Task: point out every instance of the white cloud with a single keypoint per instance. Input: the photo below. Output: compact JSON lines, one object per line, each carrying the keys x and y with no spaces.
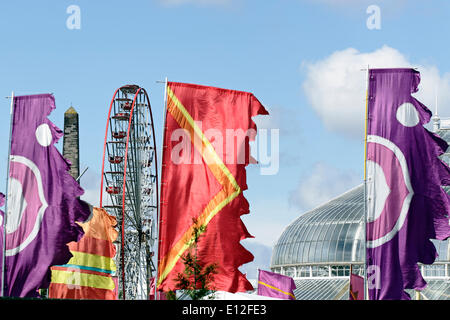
{"x":322,"y":184}
{"x":336,"y":86}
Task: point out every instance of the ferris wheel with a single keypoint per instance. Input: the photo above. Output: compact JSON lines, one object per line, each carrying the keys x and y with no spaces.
{"x":130,"y":178}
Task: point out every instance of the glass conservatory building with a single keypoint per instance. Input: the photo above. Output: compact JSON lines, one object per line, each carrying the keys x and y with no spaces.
{"x":319,"y":248}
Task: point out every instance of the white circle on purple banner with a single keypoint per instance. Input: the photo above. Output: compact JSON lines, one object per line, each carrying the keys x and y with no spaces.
{"x":28,"y":204}
{"x":44,"y":135}
{"x":396,"y":193}
{"x":17,"y":205}
{"x":377,"y":181}
{"x":407,"y":115}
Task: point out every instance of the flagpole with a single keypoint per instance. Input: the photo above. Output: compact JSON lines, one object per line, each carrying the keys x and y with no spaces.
{"x":365,"y":183}
{"x":2,"y":293}
{"x":350,"y":281}
{"x":257,"y":280}
{"x":160,"y":187}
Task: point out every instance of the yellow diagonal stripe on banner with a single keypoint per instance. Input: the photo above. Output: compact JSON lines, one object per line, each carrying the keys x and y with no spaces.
{"x":223,"y":175}
{"x":208,"y":153}
{"x":75,"y":279}
{"x":92,"y":260}
{"x":276,"y":289}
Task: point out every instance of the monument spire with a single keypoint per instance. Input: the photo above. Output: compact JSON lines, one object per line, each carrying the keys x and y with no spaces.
{"x":71,"y":145}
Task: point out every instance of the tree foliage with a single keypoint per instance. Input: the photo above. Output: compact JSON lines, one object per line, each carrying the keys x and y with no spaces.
{"x":196,"y":279}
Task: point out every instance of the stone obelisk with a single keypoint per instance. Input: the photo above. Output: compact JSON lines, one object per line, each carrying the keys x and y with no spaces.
{"x":71,"y":143}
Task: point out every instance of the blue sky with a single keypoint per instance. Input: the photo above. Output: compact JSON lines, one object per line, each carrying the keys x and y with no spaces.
{"x":301,"y":58}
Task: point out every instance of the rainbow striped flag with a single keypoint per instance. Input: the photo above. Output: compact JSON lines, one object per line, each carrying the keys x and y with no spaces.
{"x":90,"y":273}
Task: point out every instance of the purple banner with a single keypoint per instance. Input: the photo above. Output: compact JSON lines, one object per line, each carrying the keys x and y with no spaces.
{"x":406,"y":204}
{"x":2,"y":214}
{"x":43,"y":202}
{"x":275,"y":285}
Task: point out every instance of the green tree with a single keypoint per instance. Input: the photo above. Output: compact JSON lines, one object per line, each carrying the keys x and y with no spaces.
{"x":196,"y":279}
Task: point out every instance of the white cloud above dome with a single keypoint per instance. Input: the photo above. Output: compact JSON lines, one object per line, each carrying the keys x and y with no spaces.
{"x":336,"y":87}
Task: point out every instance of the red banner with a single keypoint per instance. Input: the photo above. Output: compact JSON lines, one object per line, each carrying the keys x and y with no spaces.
{"x":356,"y":290}
{"x":206,"y":149}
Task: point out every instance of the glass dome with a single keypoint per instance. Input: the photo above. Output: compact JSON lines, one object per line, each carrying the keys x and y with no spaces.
{"x":320,"y":247}
{"x":333,"y":232}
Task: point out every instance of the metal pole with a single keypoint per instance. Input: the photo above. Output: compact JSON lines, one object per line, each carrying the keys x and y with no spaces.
{"x":365,"y":185}
{"x":6,"y":201}
{"x":77,"y":179}
{"x":418,"y":295}
{"x":160,"y":186}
